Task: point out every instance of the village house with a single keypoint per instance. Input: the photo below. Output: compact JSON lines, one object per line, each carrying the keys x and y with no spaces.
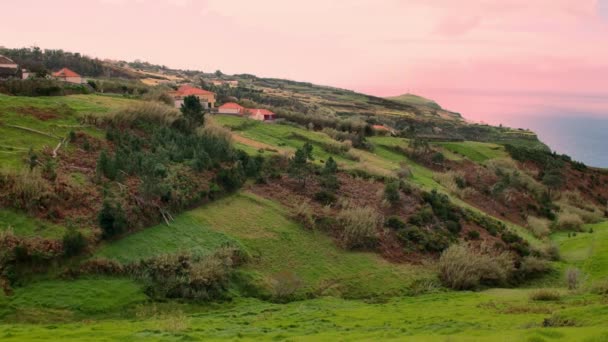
{"x":8,"y":68}
{"x":67,"y":75}
{"x":206,"y":97}
{"x":231,"y":108}
{"x":381,"y":130}
{"x":261,"y":114}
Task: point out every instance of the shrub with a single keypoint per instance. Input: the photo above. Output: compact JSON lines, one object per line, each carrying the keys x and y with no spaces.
{"x":531,"y":267}
{"x":304,"y":214}
{"x":391,"y":192}
{"x":539,"y":227}
{"x":25,"y":189}
{"x":112,"y":220}
{"x":570,"y":221}
{"x":461,"y":268}
{"x":573,"y":278}
{"x":186,"y":276}
{"x":325,"y":197}
{"x":473,"y":235}
{"x":395,"y":223}
{"x":600,"y":288}
{"x":545,"y":295}
{"x":74,"y":242}
{"x":552,"y":252}
{"x":284,"y":285}
{"x":359,"y":227}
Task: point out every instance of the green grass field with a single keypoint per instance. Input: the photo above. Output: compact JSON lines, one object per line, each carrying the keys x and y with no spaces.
{"x":23,"y":225}
{"x":44,"y":121}
{"x":493,"y":315}
{"x":478,"y":152}
{"x":587,"y":251}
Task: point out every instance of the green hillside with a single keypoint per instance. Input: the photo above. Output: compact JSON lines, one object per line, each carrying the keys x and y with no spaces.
{"x":124,"y":218}
{"x":415,"y":99}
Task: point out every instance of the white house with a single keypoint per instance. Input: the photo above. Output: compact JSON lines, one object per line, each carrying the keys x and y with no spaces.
{"x":231,"y":108}
{"x":68,"y":75}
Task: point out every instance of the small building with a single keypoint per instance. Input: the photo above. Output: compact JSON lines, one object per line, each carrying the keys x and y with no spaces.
{"x":261,"y":114}
{"x":25,"y":74}
{"x":67,"y":75}
{"x":206,"y":97}
{"x":231,"y":108}
{"x":381,"y":129}
{"x":8,"y":68}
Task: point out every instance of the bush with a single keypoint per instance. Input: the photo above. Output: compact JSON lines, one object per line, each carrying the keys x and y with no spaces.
{"x":461,"y":268}
{"x":545,"y":295}
{"x":74,"y":243}
{"x":552,"y":252}
{"x":112,"y":220}
{"x":186,"y":276}
{"x":573,"y":278}
{"x":473,"y":235}
{"x":325,"y":197}
{"x":359,"y":227}
{"x":284,"y":285}
{"x":531,"y":267}
{"x":395,"y":223}
{"x":391,"y":192}
{"x":539,"y":227}
{"x":570,"y":221}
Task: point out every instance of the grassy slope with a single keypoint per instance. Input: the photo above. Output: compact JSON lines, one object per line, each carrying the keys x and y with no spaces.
{"x":382,"y":161}
{"x":276,"y":244}
{"x":587,"y":251}
{"x":16,"y":111}
{"x":23,"y":225}
{"x":476,"y":151}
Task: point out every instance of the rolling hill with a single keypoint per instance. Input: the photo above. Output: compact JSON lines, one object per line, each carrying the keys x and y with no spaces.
{"x":122,"y":217}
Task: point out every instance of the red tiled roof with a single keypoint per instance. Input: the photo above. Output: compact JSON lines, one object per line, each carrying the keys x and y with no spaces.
{"x":6,"y":60}
{"x":65,"y":72}
{"x":260,"y":111}
{"x":187,"y":90}
{"x":380,"y":127}
{"x":231,"y":105}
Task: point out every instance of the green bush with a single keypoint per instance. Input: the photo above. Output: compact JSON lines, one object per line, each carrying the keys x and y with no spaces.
{"x":473,"y":235}
{"x":74,"y":243}
{"x":185,"y":276}
{"x":112,"y":220}
{"x":395,"y":223}
{"x":391,"y":192}
{"x":325,"y":197}
{"x":461,"y":268}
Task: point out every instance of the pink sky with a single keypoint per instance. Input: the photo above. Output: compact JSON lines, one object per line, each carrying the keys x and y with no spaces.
{"x":479,"y":57}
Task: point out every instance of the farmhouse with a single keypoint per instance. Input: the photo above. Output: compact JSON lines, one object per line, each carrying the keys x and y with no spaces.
{"x":8,"y":68}
{"x":67,"y":75}
{"x":231,"y":108}
{"x":261,"y":114}
{"x":206,"y":97}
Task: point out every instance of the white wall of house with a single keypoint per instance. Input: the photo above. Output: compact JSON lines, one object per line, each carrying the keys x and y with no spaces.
{"x":76,"y":80}
{"x":229,"y":111}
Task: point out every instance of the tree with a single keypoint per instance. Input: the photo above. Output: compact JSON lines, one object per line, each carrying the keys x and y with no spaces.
{"x":112,"y":220}
{"x":298,"y":165}
{"x":192,"y":109}
{"x":328,"y":175}
{"x":553,"y":179}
